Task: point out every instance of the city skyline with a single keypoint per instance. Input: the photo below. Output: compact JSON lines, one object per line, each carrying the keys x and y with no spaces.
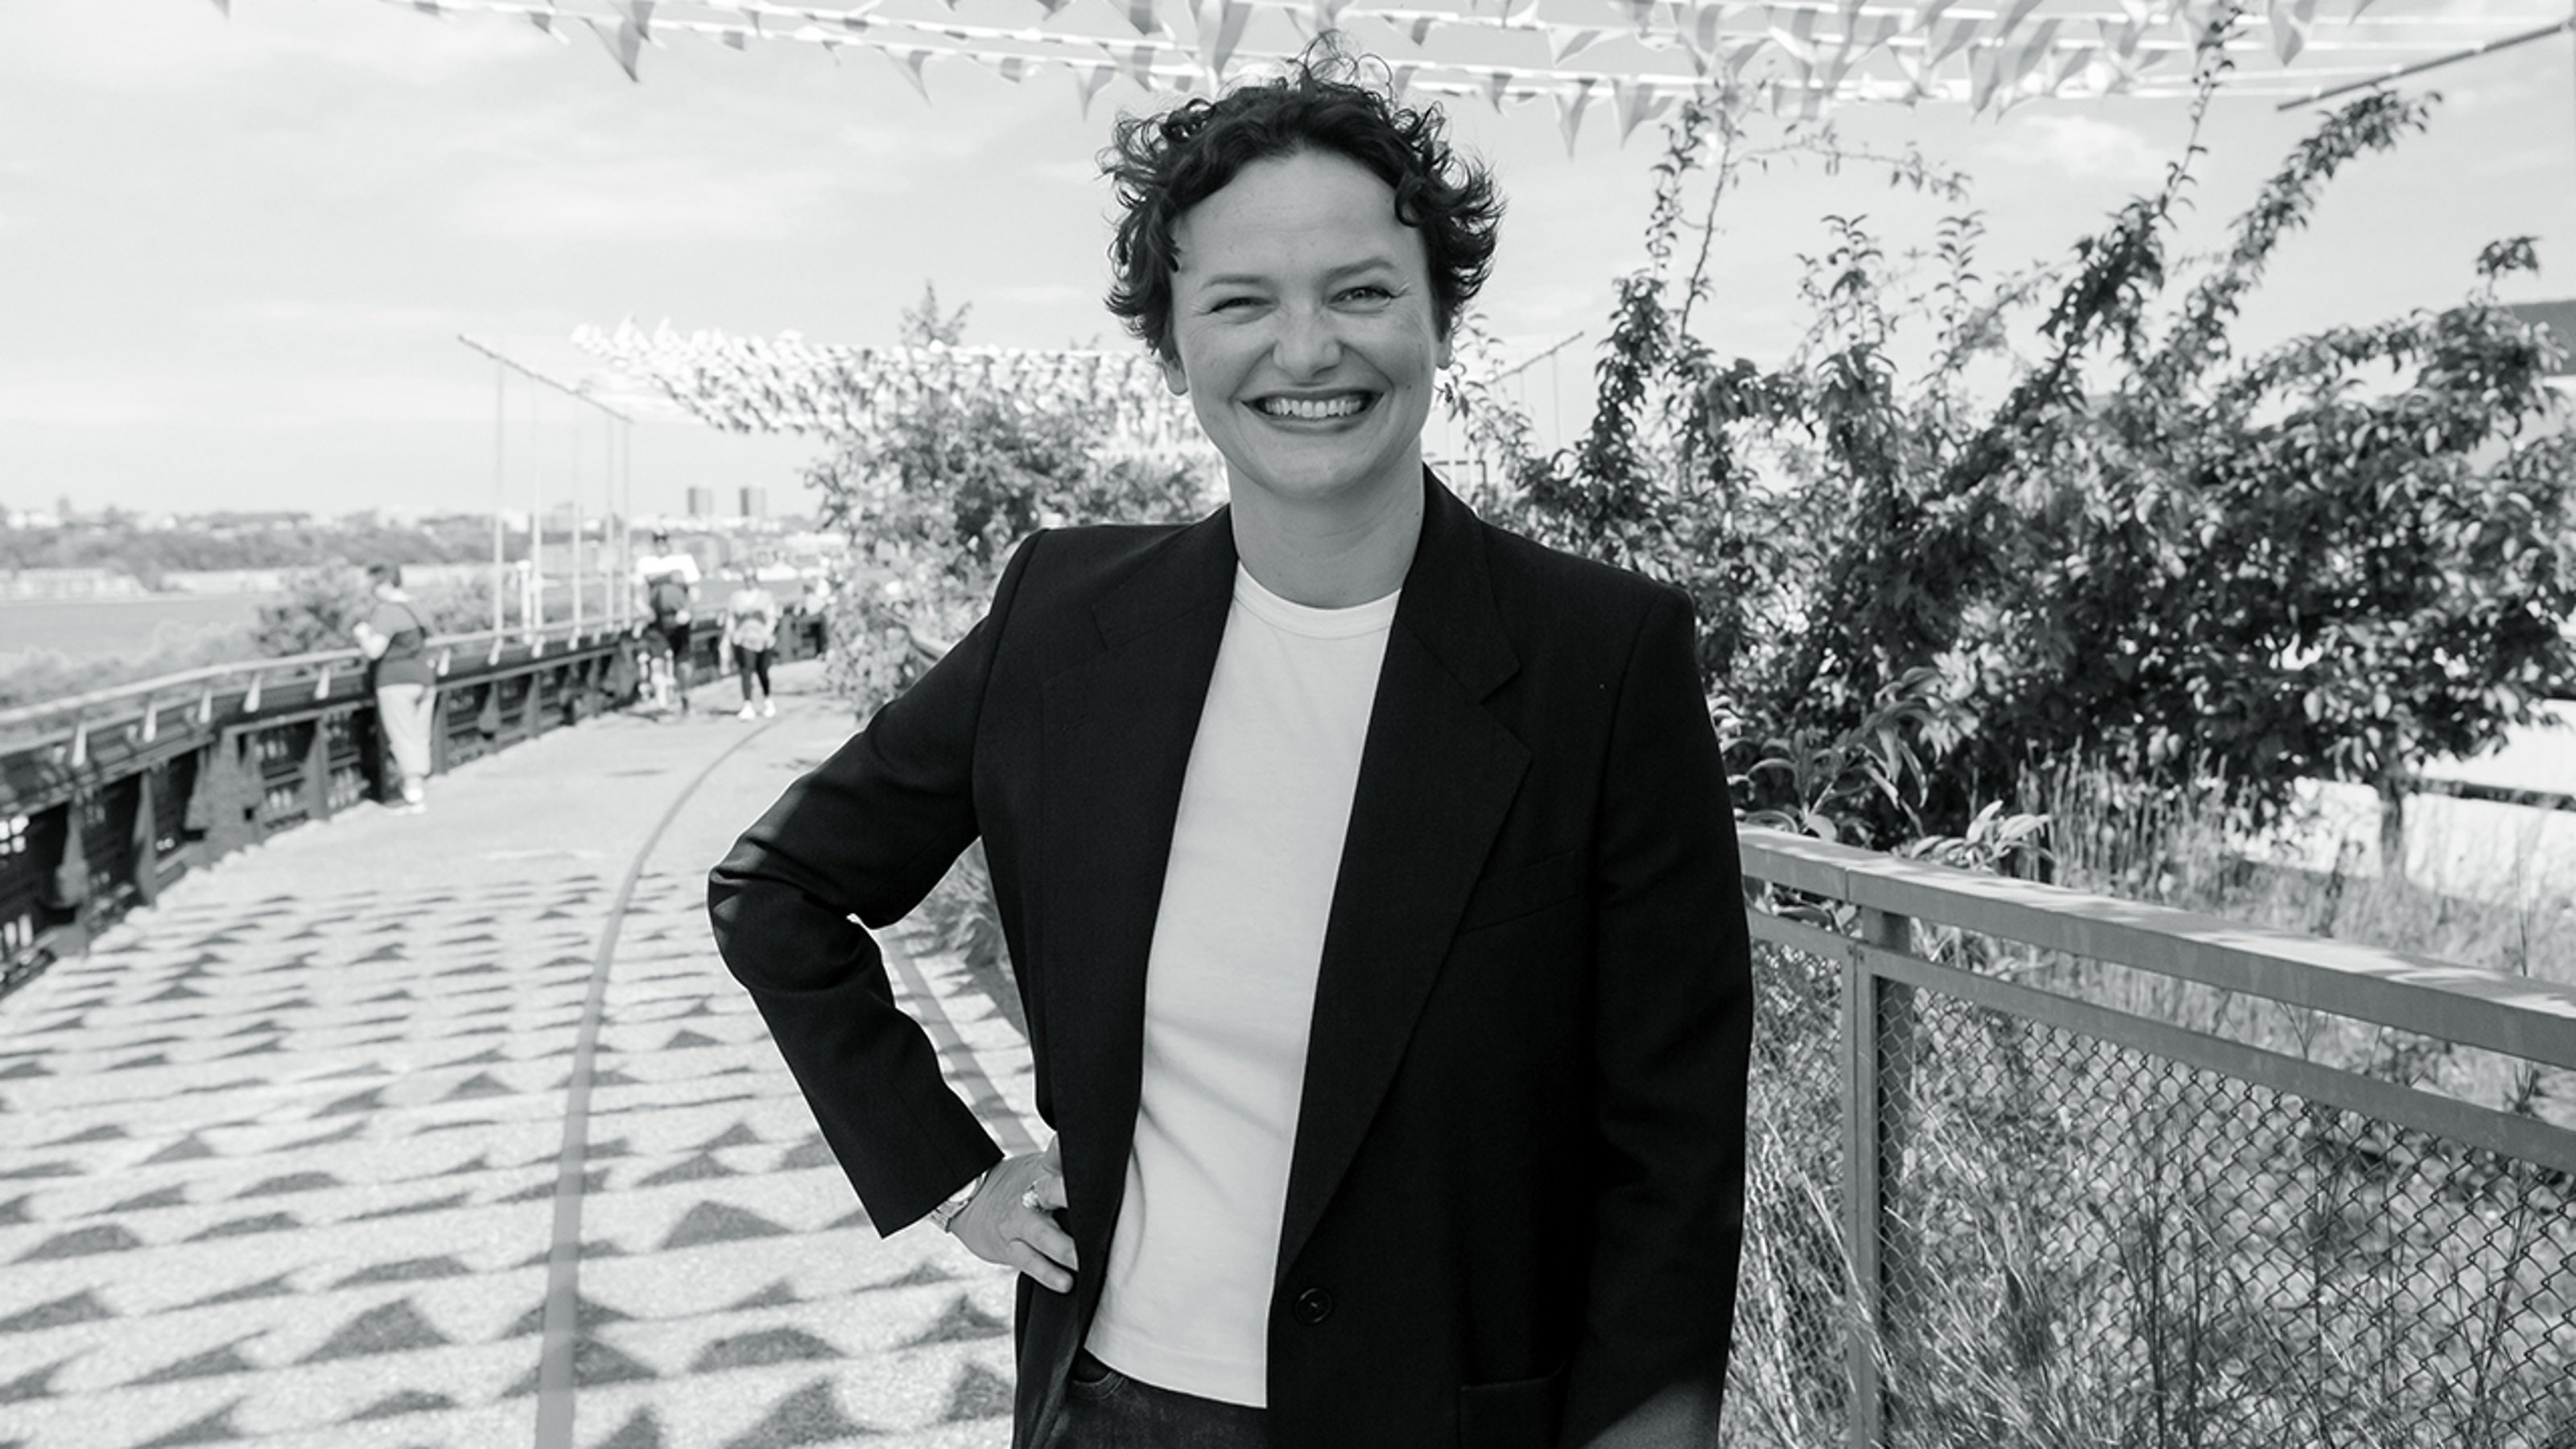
{"x":241,"y":251}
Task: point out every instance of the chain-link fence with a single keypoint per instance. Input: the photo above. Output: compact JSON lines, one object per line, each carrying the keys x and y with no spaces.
{"x":2085,"y":1228}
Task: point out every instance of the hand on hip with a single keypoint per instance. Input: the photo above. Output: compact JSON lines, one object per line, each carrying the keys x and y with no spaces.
{"x":1011,"y":1219}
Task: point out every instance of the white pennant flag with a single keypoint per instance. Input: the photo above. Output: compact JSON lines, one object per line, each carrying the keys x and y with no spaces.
{"x":2027,"y":58}
{"x":1636,"y":103}
{"x":1569,"y":110}
{"x":909,"y":59}
{"x":624,"y":43}
{"x":2290,"y":22}
{"x":1741,"y":54}
{"x":2014,"y":14}
{"x":1220,"y":27}
{"x":1796,"y":102}
{"x":1910,"y":64}
{"x":1701,"y":34}
{"x":2120,"y":52}
{"x":1088,"y":77}
{"x":1140,"y":63}
{"x":1984,"y":72}
{"x":1946,"y":43}
{"x":640,"y":12}
{"x":1328,"y":13}
{"x":1795,"y":35}
{"x":2078,"y":60}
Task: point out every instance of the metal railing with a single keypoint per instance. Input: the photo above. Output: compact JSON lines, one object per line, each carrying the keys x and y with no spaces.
{"x":107,"y":797}
{"x":2036,"y":1167}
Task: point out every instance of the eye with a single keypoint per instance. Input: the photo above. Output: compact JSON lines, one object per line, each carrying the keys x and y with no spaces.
{"x":1225,"y":303}
{"x":1368,"y":292}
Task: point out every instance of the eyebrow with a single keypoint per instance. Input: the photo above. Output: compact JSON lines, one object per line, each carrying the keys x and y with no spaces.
{"x":1346,"y":269}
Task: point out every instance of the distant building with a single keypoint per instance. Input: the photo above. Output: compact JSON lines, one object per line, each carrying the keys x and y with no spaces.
{"x":2560,"y":319}
{"x":69,"y":583}
{"x":755,"y":503}
{"x":702,"y":502}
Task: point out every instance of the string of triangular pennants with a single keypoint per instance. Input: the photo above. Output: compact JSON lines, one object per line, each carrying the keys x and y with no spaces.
{"x":788,"y":385}
{"x":1798,"y":57}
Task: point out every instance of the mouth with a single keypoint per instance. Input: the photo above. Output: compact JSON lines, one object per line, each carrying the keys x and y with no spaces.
{"x":1331,"y":407}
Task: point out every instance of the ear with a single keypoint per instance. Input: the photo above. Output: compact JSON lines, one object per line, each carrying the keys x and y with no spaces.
{"x":1173,"y":377}
{"x":1442,"y":365}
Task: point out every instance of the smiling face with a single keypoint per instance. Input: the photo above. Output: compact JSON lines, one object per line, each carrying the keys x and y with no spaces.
{"x":1303,"y":324}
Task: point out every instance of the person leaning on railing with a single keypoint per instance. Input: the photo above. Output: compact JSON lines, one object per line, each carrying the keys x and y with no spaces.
{"x":395,"y":640}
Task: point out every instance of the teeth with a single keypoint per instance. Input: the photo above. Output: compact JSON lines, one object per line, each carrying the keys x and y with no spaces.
{"x":1295,"y":407}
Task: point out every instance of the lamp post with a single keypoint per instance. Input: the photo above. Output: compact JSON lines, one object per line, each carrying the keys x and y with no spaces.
{"x":533,"y":611}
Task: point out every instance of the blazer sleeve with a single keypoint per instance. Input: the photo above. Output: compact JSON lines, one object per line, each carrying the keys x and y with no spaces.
{"x":866,"y":835}
{"x":1673,"y":1026}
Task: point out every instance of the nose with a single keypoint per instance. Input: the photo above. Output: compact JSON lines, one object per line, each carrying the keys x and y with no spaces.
{"x":1309,"y":342}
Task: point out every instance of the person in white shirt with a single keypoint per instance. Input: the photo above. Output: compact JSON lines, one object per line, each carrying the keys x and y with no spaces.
{"x":1367,"y":871}
{"x":666,"y":582}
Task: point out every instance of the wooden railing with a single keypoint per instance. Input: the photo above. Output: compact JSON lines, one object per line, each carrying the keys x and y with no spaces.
{"x":107,"y":797}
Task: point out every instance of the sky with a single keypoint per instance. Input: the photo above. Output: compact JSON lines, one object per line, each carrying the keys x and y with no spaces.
{"x":236,"y":253}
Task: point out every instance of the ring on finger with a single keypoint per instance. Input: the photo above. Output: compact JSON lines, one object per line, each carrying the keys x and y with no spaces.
{"x":1030,"y":1201}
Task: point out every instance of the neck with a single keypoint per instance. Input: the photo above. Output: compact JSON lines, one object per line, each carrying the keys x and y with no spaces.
{"x":1329,"y":559}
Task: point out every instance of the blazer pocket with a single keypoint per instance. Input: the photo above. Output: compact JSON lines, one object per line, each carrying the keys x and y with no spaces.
{"x":1523,"y":890}
{"x":1518,"y":1415}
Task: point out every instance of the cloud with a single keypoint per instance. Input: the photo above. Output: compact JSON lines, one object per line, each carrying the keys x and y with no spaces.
{"x":2078,"y":145}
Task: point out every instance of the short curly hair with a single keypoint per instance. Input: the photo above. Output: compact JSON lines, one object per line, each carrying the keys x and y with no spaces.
{"x":1162,"y":165}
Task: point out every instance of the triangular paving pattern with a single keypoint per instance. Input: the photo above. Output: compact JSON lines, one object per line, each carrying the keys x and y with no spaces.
{"x":340,"y":1237}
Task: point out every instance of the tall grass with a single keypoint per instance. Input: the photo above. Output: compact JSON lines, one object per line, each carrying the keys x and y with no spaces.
{"x":2088,"y":1244}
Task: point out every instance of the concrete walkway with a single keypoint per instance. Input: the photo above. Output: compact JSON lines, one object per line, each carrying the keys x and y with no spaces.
{"x":332,"y":1145}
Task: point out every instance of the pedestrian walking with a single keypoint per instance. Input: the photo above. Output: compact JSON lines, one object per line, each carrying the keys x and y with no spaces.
{"x":751,"y":636}
{"x":668,"y":580}
{"x":396,"y":642}
{"x":1367,"y":870}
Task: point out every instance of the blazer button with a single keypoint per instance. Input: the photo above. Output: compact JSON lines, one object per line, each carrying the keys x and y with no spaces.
{"x":1314,"y":1306}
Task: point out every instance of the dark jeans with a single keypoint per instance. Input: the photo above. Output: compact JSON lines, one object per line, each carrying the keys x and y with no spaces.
{"x":1105,"y":1409}
{"x":751,"y":664}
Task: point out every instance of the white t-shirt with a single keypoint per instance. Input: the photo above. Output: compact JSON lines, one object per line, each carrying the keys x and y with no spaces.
{"x":1230,"y":993}
{"x":655,"y":565}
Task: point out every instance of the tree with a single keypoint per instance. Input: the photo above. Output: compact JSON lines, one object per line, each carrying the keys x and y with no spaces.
{"x":935,"y":499}
{"x":2328,"y":561}
{"x":322,"y":606}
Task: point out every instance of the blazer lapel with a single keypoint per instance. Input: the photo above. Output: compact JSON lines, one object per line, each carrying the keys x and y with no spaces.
{"x":1437,"y":774}
{"x":1117,"y":730}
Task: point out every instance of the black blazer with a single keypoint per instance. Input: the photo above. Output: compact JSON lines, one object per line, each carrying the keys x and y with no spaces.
{"x":1515,"y":1201}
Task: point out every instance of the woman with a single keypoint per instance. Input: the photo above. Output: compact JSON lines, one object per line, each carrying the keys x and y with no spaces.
{"x":751,"y":634}
{"x":1367,"y":873}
